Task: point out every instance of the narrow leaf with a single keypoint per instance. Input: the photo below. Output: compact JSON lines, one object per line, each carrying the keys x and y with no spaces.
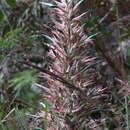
{"x":77,"y":5}
{"x":48,"y":4}
{"x":1,"y":15}
{"x":80,"y":1}
{"x":12,"y":3}
{"x":49,"y":38}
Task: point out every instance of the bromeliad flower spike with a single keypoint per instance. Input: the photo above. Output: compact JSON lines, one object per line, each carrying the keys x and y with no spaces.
{"x":71,"y":62}
{"x":70,"y":75}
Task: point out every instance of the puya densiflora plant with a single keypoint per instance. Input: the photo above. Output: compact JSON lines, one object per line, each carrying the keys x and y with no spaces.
{"x":70,"y":75}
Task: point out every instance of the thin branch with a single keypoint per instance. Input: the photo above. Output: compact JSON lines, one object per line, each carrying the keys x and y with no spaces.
{"x":112,"y":65}
{"x":102,"y":19}
{"x":4,"y":119}
{"x":69,"y":85}
{"x":125,"y":18}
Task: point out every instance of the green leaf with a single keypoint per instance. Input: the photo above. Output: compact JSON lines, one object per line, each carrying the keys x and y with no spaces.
{"x":81,"y":1}
{"x":93,"y":35}
{"x":127,"y":61}
{"x":129,"y":97}
{"x":12,"y":3}
{"x":38,"y":129}
{"x":7,"y":43}
{"x":23,"y":81}
{"x":48,"y":4}
{"x":49,"y":38}
{"x":1,"y":15}
{"x":14,"y":32}
{"x":4,"y":43}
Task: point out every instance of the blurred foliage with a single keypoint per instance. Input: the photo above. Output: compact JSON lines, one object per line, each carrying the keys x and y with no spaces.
{"x":1,"y":15}
{"x":21,"y":26}
{"x":22,"y":92}
{"x":11,"y":38}
{"x":19,"y":96}
{"x":12,"y":3}
{"x":23,"y":84}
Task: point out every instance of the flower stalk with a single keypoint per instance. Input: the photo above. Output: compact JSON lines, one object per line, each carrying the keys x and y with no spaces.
{"x":70,"y":75}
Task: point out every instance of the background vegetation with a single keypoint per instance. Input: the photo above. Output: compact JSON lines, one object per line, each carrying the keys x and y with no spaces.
{"x":28,"y":29}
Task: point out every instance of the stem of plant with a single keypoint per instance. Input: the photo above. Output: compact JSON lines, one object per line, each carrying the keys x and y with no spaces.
{"x":127,"y":113}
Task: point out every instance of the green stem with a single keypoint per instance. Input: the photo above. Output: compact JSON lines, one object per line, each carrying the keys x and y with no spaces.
{"x":127,"y":113}
{"x":46,"y":116}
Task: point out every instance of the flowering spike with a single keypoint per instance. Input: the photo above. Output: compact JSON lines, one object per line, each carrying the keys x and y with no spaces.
{"x":72,"y":61}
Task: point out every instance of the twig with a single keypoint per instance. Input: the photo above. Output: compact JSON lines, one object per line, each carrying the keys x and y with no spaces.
{"x":103,"y":18}
{"x":69,"y":85}
{"x":125,"y":18}
{"x":4,"y":119}
{"x":112,"y":65}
